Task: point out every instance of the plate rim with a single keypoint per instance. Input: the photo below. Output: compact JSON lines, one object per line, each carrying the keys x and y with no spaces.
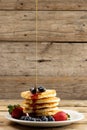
{"x":8,"y":116}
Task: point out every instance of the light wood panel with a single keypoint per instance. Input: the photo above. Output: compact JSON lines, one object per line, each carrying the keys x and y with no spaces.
{"x":53,"y":59}
{"x":63,"y":103}
{"x":52,"y":26}
{"x":66,"y":87}
{"x":60,"y":64}
{"x":16,"y":25}
{"x":62,"y":5}
{"x":43,"y":5}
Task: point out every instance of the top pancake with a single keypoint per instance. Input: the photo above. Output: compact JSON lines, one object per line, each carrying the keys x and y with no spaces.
{"x":46,"y":94}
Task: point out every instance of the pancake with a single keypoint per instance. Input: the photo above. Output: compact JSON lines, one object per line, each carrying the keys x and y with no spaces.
{"x":50,"y":113}
{"x":40,"y":106}
{"x":43,"y":100}
{"x":40,"y":103}
{"x":45,"y":111}
{"x":46,"y":94}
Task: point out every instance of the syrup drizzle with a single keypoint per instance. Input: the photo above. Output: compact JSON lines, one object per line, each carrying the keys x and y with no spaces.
{"x":34,"y":98}
{"x":36,"y":38}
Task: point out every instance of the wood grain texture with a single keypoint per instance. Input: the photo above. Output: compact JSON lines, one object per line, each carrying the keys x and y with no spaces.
{"x":77,"y":105}
{"x":15,"y":25}
{"x":79,"y":109}
{"x":43,"y":5}
{"x":53,"y":59}
{"x":61,"y":65}
{"x":62,"y":5}
{"x":13,"y":126}
{"x":17,"y":5}
{"x":66,"y":87}
{"x":63,"y":103}
{"x":62,"y":26}
{"x":52,"y":26}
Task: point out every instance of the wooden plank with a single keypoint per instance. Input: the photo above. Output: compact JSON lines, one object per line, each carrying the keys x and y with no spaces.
{"x":53,"y":59}
{"x":17,"y":5}
{"x":62,"y":26}
{"x":18,"y":47}
{"x":17,"y":64}
{"x":62,"y":5}
{"x":52,"y":26}
{"x":14,"y":126}
{"x":17,"y":25}
{"x":66,"y":87}
{"x":4,"y":102}
{"x":43,"y":5}
{"x":63,"y":103}
{"x":18,"y":57}
{"x":62,"y":59}
{"x":73,"y":103}
{"x":79,"y":109}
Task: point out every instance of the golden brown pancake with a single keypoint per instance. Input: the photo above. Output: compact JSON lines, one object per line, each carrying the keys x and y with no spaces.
{"x":46,"y":94}
{"x":45,"y":111}
{"x":43,"y":100}
{"x":39,"y":106}
{"x":41,"y":103}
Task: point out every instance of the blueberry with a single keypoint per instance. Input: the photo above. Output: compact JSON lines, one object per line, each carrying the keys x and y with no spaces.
{"x":27,"y":118}
{"x":44,"y":118}
{"x":22,"y":118}
{"x":41,"y":89}
{"x":33,"y":90}
{"x":50,"y":118}
{"x":38,"y":119}
{"x":33,"y":119}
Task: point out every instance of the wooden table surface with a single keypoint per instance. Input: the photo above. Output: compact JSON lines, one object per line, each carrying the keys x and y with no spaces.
{"x":79,"y":105}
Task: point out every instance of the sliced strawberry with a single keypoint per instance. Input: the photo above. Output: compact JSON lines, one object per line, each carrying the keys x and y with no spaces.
{"x":61,"y":116}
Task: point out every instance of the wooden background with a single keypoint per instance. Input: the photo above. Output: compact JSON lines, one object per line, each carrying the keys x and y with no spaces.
{"x":62,"y":47}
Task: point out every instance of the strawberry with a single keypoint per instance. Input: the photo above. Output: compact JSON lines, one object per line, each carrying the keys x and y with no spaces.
{"x":16,"y":111}
{"x":61,"y":116}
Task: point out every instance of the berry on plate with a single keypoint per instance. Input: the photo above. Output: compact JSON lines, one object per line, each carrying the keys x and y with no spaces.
{"x":61,"y":116}
{"x":50,"y":118}
{"x":44,"y":118}
{"x":16,"y":111}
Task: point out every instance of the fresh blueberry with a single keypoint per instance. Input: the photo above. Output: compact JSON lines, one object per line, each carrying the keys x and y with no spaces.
{"x":22,"y":118}
{"x":33,"y":90}
{"x":38,"y":119}
{"x":50,"y":118}
{"x":33,"y":119}
{"x":41,"y":89}
{"x":44,"y":118}
{"x":27,"y":118}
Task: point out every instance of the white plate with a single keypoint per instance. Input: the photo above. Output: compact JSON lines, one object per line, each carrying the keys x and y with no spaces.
{"x":74,"y":117}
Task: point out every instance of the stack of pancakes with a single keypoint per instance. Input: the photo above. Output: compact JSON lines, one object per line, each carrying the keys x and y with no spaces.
{"x":44,"y":103}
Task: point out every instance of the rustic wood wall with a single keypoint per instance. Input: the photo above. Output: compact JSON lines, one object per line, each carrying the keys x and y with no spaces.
{"x":62,"y":47}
